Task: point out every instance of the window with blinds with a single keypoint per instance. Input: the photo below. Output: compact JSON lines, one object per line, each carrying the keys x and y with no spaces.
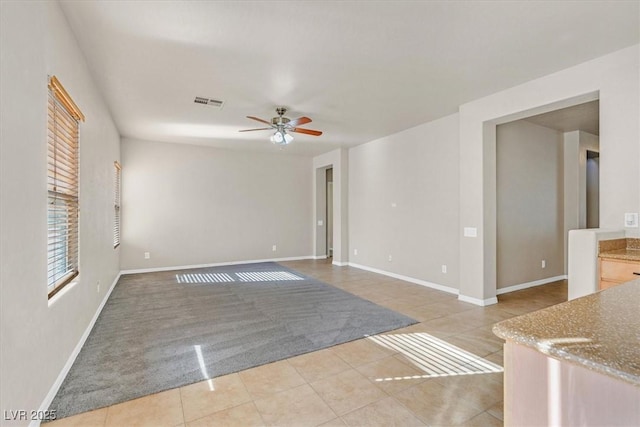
{"x":62,"y":186}
{"x":116,"y":221}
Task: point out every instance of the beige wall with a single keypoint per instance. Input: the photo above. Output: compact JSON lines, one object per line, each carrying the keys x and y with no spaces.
{"x":530,"y":214}
{"x":192,"y":205}
{"x":403,"y":202}
{"x":38,"y":337}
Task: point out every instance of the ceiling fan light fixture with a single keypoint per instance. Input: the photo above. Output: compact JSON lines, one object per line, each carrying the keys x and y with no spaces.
{"x":277,"y":137}
{"x":281,"y":137}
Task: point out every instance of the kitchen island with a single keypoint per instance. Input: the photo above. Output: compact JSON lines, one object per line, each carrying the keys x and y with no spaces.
{"x":575,"y":363}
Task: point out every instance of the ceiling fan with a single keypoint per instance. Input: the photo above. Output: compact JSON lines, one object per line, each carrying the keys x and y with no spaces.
{"x":283,"y":125}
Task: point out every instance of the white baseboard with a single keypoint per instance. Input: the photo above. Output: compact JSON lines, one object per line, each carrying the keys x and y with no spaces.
{"x":72,"y":358}
{"x":217,"y":264}
{"x":494,"y":300}
{"x":340,"y":264}
{"x":521,"y":286}
{"x":477,"y":301}
{"x":407,"y":278}
{"x":319,"y":257}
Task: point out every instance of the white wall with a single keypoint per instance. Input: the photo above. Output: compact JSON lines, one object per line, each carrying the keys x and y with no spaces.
{"x":530,"y":213}
{"x":38,"y":335}
{"x":403,"y":202}
{"x":613,"y":79}
{"x":191,"y":205}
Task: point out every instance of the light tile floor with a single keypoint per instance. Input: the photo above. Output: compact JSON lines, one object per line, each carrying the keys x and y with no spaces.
{"x":341,"y":386}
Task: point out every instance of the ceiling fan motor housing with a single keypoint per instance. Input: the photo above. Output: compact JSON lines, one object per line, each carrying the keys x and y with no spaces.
{"x":280,"y":120}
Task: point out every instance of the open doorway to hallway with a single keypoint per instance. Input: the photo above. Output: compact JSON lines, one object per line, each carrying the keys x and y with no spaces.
{"x":329,"y":213}
{"x":593,"y":189}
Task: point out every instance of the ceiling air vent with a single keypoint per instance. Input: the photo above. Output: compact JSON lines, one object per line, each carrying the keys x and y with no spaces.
{"x":208,"y":101}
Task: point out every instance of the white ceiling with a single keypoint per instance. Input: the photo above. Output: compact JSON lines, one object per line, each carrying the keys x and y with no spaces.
{"x":360,"y":70}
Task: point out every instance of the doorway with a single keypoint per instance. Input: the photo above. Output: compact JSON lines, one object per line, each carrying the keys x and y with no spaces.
{"x":329,"y":212}
{"x":593,"y":189}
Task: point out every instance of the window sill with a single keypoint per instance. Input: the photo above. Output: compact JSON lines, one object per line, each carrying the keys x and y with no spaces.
{"x":52,"y":300}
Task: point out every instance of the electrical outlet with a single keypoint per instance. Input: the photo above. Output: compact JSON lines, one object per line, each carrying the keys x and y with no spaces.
{"x":543,"y":264}
{"x":274,"y":248}
{"x":147,"y":255}
{"x":631,"y":220}
{"x":355,"y":252}
{"x":444,"y":268}
{"x":390,"y":258}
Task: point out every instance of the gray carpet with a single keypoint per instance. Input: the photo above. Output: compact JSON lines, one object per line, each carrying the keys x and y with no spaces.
{"x":163,"y":330}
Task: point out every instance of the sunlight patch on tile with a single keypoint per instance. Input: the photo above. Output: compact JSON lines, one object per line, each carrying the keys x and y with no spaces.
{"x":435,"y":357}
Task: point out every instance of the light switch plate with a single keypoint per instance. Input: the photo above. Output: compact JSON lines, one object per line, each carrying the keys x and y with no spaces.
{"x":320,"y":223}
{"x":470,"y":232}
{"x":631,"y":220}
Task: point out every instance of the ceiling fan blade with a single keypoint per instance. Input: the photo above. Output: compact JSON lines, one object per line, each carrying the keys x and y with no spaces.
{"x":251,"y":130}
{"x":259,"y":120}
{"x":299,"y":121}
{"x":307,"y":131}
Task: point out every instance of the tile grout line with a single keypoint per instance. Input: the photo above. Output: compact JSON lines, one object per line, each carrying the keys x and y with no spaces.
{"x":106,"y":416}
{"x":360,"y":407}
{"x":316,"y":391}
{"x":184,"y":419}
{"x":257,"y":411}
{"x":323,"y":400}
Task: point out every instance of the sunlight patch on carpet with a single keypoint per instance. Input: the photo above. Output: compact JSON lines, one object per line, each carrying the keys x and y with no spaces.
{"x":262,"y":276}
{"x":204,"y":278}
{"x":267,"y":276}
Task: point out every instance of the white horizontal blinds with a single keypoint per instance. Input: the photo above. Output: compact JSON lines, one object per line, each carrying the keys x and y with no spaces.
{"x":116,"y":222}
{"x":62,"y":188}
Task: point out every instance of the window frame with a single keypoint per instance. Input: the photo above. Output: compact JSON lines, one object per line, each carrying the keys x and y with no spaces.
{"x":63,"y":182}
{"x":117,"y":204}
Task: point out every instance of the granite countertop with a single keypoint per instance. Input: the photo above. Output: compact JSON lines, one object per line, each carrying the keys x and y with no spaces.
{"x":623,"y":254}
{"x":625,"y":249}
{"x":600,"y":331}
